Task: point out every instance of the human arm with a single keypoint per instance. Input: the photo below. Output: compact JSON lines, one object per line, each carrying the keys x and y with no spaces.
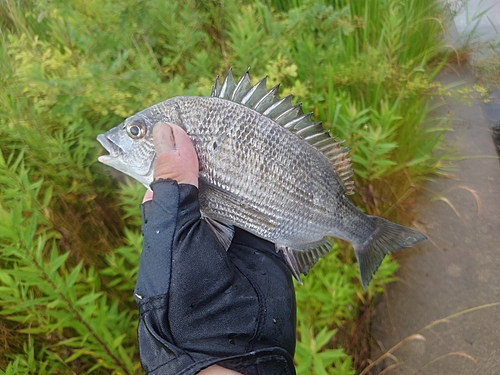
{"x":202,"y":308}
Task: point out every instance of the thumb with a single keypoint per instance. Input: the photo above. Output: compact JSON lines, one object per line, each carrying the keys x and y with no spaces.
{"x":163,"y":138}
{"x":176,"y":156}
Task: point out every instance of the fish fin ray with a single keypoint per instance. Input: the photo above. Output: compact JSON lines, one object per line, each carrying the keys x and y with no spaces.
{"x":290,"y":260}
{"x":223,"y":232}
{"x":228,"y":86}
{"x":288,"y":115}
{"x":387,"y":238}
{"x":242,"y":87}
{"x":234,"y":201}
{"x":255,"y":94}
{"x":279,"y":107}
{"x":216,"y":88}
{"x":307,"y":258}
{"x":267,"y":100}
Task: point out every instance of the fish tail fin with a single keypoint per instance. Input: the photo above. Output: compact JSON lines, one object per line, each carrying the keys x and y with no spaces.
{"x":386,"y":238}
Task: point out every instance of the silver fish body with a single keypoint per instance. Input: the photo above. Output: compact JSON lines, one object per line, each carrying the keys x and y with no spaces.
{"x":266,"y":168}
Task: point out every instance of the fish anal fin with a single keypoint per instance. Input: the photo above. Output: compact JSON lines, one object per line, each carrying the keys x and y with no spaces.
{"x":387,"y":238}
{"x":301,"y":261}
{"x":307,"y":258}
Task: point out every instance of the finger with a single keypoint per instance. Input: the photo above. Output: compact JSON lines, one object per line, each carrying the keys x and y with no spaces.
{"x":148,"y":196}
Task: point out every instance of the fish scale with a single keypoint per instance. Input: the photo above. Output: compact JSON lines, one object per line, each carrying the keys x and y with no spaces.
{"x":265,"y":167}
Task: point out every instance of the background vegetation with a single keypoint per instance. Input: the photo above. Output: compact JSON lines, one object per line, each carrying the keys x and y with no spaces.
{"x":69,"y":228}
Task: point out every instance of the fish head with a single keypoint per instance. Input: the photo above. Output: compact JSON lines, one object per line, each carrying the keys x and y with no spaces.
{"x":131,"y":149}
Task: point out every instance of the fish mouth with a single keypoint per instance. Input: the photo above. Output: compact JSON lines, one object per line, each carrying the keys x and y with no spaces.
{"x":113,"y":149}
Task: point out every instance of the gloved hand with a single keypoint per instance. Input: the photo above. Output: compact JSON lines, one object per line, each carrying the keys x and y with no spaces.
{"x":200,"y":305}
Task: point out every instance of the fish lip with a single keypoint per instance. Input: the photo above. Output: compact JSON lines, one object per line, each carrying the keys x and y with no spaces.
{"x":113,"y":149}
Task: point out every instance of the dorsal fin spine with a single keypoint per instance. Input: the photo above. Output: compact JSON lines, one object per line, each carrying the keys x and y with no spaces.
{"x":305,"y":130}
{"x":242,"y":87}
{"x":228,"y":85}
{"x":290,"y":116}
{"x":216,"y":88}
{"x":267,"y":100}
{"x":255,"y":93}
{"x":286,"y":102}
{"x":301,"y":123}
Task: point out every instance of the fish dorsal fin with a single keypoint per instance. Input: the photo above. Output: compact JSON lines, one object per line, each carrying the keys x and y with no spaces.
{"x":291,"y":117}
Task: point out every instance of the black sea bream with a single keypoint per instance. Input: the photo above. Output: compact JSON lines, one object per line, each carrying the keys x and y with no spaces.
{"x":266,"y":168}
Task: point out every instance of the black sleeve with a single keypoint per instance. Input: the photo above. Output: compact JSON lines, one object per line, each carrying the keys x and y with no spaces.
{"x":172,"y":220}
{"x":201,"y":305}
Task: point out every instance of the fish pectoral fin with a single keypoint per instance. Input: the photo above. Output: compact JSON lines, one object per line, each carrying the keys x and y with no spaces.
{"x":223,"y":232}
{"x":234,"y":201}
{"x":290,"y":261}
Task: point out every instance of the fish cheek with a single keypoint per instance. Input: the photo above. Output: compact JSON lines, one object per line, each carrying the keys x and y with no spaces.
{"x":143,"y":162}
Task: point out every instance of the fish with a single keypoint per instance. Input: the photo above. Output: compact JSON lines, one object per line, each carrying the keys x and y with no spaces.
{"x":267,"y":168}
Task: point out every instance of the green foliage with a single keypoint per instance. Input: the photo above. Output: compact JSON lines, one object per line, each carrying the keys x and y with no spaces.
{"x":314,"y":356}
{"x":69,"y":231}
{"x":64,"y":305}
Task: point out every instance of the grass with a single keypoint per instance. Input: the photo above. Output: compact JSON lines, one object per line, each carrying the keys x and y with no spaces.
{"x":70,"y":231}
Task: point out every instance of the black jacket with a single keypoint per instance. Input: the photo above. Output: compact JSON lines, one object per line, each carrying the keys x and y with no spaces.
{"x":201,"y":305}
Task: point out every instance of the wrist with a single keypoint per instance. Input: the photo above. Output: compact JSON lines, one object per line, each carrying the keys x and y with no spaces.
{"x":218,"y":370}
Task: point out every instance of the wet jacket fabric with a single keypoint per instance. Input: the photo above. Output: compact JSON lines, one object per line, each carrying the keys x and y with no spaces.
{"x":200,"y":305}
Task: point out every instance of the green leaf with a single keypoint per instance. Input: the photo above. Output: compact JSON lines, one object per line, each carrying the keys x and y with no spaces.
{"x":56,"y":261}
{"x":324,"y":336}
{"x":89,"y":299}
{"x":73,"y":276}
{"x":47,"y":196}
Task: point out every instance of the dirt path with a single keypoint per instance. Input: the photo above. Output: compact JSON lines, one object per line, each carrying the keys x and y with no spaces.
{"x":457,"y":269}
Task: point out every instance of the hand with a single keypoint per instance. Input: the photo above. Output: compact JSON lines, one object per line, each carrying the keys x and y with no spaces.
{"x":176,"y":157}
{"x":204,"y":309}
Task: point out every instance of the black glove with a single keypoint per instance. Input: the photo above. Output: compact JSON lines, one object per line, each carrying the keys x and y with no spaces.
{"x":200,"y":305}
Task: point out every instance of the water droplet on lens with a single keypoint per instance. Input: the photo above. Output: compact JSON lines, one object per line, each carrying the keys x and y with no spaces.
{"x":410,"y":241}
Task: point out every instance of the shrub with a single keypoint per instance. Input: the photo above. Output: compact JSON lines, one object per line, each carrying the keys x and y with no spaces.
{"x":69,"y":227}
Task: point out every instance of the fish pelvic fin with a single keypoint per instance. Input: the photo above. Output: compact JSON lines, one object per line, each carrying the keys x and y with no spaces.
{"x":290,"y":261}
{"x":387,"y":238}
{"x":223,"y":232}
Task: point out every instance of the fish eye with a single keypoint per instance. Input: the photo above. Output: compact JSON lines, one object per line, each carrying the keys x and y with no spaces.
{"x":136,"y":129}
